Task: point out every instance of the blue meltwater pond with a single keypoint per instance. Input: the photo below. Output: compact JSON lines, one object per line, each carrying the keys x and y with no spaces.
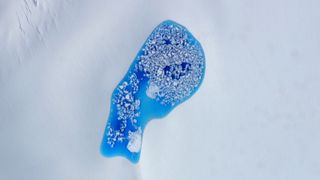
{"x":168,"y":69}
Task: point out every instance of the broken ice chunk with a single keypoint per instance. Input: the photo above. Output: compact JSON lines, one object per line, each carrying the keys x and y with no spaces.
{"x":135,"y":140}
{"x":152,"y":91}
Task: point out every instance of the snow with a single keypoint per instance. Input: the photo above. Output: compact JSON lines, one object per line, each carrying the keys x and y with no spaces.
{"x":255,"y":116}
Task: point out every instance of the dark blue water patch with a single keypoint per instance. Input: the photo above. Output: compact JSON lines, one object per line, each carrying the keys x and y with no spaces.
{"x":168,"y":69}
{"x":175,"y":71}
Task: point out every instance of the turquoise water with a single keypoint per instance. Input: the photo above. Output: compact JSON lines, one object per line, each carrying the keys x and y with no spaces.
{"x":168,"y":69}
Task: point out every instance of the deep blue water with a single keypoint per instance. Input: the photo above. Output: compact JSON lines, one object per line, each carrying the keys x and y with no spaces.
{"x":168,"y":69}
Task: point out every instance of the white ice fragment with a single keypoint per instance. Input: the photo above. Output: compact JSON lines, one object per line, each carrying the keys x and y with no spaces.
{"x":128,"y":97}
{"x":135,"y":140}
{"x":137,"y":104}
{"x":159,"y":72}
{"x":152,"y":91}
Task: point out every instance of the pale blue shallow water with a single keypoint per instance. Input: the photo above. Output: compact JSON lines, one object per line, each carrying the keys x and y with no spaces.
{"x":168,"y":69}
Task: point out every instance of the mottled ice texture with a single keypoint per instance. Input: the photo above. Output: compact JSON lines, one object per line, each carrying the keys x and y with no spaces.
{"x":167,"y":70}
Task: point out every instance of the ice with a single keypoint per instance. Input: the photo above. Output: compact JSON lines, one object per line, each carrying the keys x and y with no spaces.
{"x":255,"y":116}
{"x":135,"y":141}
{"x":167,"y":70}
{"x":152,"y":91}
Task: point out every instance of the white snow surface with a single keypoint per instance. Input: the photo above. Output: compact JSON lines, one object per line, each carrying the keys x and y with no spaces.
{"x":256,"y":115}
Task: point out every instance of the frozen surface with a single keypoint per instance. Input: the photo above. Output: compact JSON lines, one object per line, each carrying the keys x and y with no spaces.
{"x":256,"y":115}
{"x":168,"y":69}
